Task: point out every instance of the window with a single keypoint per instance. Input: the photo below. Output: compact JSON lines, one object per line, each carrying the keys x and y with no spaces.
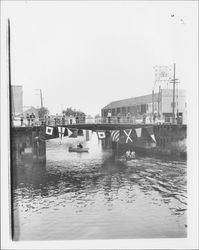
{"x":133,"y":110}
{"x":113,"y":112}
{"x":138,"y":107}
{"x":123,"y":110}
{"x":172,"y":104}
{"x":105,"y":112}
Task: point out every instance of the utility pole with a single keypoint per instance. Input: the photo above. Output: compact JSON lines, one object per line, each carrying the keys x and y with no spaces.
{"x":153,"y":104}
{"x":153,"y":100}
{"x":41,"y":98}
{"x":174,"y":93}
{"x":159,"y":99}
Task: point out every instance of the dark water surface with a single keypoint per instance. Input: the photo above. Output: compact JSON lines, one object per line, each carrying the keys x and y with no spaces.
{"x":94,"y":196}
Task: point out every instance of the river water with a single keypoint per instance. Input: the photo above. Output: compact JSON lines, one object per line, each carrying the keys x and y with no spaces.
{"x":97,"y":196}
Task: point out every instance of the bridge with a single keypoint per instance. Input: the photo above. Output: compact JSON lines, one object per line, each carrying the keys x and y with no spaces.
{"x":88,"y":126}
{"x":28,"y":141}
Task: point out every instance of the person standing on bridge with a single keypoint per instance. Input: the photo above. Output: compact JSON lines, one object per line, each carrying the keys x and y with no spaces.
{"x":28,"y":118}
{"x":32,"y":117}
{"x":118,"y":117}
{"x":144,"y":119}
{"x":63,"y":120}
{"x":109,"y":116}
{"x":48,"y":120}
{"x":128,"y":117}
{"x":71,"y":119}
{"x":55,"y":119}
{"x":77,"y":119}
{"x":22,"y":120}
{"x":84,"y":119}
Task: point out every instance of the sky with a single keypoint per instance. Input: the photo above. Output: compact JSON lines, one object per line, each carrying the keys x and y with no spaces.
{"x":87,"y":54}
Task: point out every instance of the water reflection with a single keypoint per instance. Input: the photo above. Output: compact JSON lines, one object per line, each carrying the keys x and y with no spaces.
{"x":91,"y":195}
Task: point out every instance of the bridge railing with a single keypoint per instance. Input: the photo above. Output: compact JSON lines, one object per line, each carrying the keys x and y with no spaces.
{"x":55,"y":122}
{"x":104,"y":120}
{"x":118,"y":120}
{"x":135,"y":120}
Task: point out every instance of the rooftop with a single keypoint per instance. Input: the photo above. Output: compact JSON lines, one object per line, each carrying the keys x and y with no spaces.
{"x":139,"y":100}
{"x":132,"y":101}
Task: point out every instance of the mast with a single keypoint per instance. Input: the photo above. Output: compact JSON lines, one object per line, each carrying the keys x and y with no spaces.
{"x":174,"y":93}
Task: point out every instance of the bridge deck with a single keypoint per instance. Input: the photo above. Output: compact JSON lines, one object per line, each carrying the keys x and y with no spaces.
{"x":99,"y":126}
{"x":106,"y":126}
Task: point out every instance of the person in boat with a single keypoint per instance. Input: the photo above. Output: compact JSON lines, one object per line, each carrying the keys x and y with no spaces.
{"x":128,"y":153}
{"x":79,"y":145}
{"x":132,"y":154}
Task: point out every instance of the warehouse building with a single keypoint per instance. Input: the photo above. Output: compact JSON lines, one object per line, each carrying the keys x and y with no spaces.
{"x":157,"y":106}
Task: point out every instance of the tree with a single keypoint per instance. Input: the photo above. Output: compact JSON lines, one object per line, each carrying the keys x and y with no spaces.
{"x":42,"y":112}
{"x":89,"y":116}
{"x":97,"y":116}
{"x":73,"y":112}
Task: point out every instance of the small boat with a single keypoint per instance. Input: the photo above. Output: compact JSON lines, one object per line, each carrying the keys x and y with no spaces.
{"x":129,"y":155}
{"x":128,"y":158}
{"x":78,"y":150}
{"x":125,"y":160}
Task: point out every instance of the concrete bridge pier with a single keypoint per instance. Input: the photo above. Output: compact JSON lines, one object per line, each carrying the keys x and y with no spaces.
{"x":28,"y":146}
{"x":38,"y":148}
{"x":106,"y":142}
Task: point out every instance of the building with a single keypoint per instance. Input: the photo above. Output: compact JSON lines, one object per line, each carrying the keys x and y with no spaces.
{"x":17,"y":99}
{"x":159,"y":105}
{"x":29,"y":110}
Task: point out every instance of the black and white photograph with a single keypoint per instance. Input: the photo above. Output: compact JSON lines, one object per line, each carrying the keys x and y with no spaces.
{"x":99,"y":123}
